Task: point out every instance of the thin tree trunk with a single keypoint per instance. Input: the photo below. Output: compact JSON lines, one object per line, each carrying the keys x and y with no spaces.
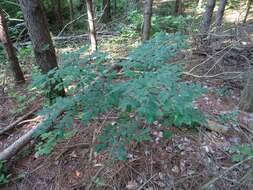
{"x":107,"y":11}
{"x":178,"y":7}
{"x":247,"y":11}
{"x":114,"y":7}
{"x":207,"y":20}
{"x":44,"y":51}
{"x":220,"y":14}
{"x":246,"y":102}
{"x":147,"y":19}
{"x":10,"y":51}
{"x":71,"y":13}
{"x":92,"y":27}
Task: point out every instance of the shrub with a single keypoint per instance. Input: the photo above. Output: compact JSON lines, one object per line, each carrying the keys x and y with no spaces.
{"x":151,"y":89}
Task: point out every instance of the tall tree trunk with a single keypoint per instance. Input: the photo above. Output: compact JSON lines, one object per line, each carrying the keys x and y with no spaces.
{"x":207,"y":20}
{"x":220,"y":14}
{"x":246,"y":102}
{"x":106,"y":11}
{"x":92,"y":27}
{"x":10,"y":51}
{"x":147,"y":19}
{"x":247,"y":11}
{"x":114,"y":7}
{"x":178,"y":7}
{"x":58,"y":13}
{"x":36,"y":23}
{"x":71,"y":14}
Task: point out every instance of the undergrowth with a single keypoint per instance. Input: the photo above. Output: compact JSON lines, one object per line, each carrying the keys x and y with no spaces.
{"x":148,"y":89}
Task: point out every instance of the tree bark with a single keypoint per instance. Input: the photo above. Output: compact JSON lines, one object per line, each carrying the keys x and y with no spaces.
{"x":10,"y":51}
{"x":178,"y":7}
{"x":220,"y":14}
{"x":44,"y":51}
{"x":247,"y":11}
{"x":71,"y":13}
{"x":147,"y":19}
{"x":58,"y":13}
{"x":207,"y":20}
{"x":114,"y":7}
{"x":92,"y":27}
{"x":107,"y":11}
{"x":246,"y":102}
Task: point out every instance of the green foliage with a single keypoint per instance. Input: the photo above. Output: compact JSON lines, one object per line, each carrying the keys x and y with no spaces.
{"x":229,"y":118}
{"x":170,"y":23}
{"x":240,"y":152}
{"x":151,"y":89}
{"x":224,"y":92}
{"x":117,"y":135}
{"x":4,"y":176}
{"x":159,"y":23}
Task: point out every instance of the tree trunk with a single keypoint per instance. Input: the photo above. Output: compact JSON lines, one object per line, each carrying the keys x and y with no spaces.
{"x":178,"y":7}
{"x":71,"y":13}
{"x":247,"y":11}
{"x":147,"y":19}
{"x":44,"y":51}
{"x":106,"y":11}
{"x":10,"y":51}
{"x":220,"y":14}
{"x":207,"y":20}
{"x":114,"y":7}
{"x":58,"y":13}
{"x":92,"y":28}
{"x":246,"y":102}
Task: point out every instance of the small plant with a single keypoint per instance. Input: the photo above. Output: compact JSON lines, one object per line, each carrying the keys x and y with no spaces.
{"x":224,"y":92}
{"x":229,"y":118}
{"x":4,"y":176}
{"x":240,"y":152}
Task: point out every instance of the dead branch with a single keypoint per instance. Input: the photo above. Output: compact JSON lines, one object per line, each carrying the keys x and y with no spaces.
{"x":18,"y":121}
{"x":205,"y":186}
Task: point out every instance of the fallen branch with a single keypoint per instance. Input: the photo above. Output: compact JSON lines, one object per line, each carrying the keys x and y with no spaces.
{"x":7,"y":153}
{"x":212,"y":181}
{"x":18,"y":121}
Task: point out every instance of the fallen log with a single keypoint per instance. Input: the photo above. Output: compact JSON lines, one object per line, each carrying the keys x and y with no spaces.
{"x":18,"y":121}
{"x":7,"y":153}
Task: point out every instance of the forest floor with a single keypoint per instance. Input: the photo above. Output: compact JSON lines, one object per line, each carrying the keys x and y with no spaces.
{"x":194,"y":158}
